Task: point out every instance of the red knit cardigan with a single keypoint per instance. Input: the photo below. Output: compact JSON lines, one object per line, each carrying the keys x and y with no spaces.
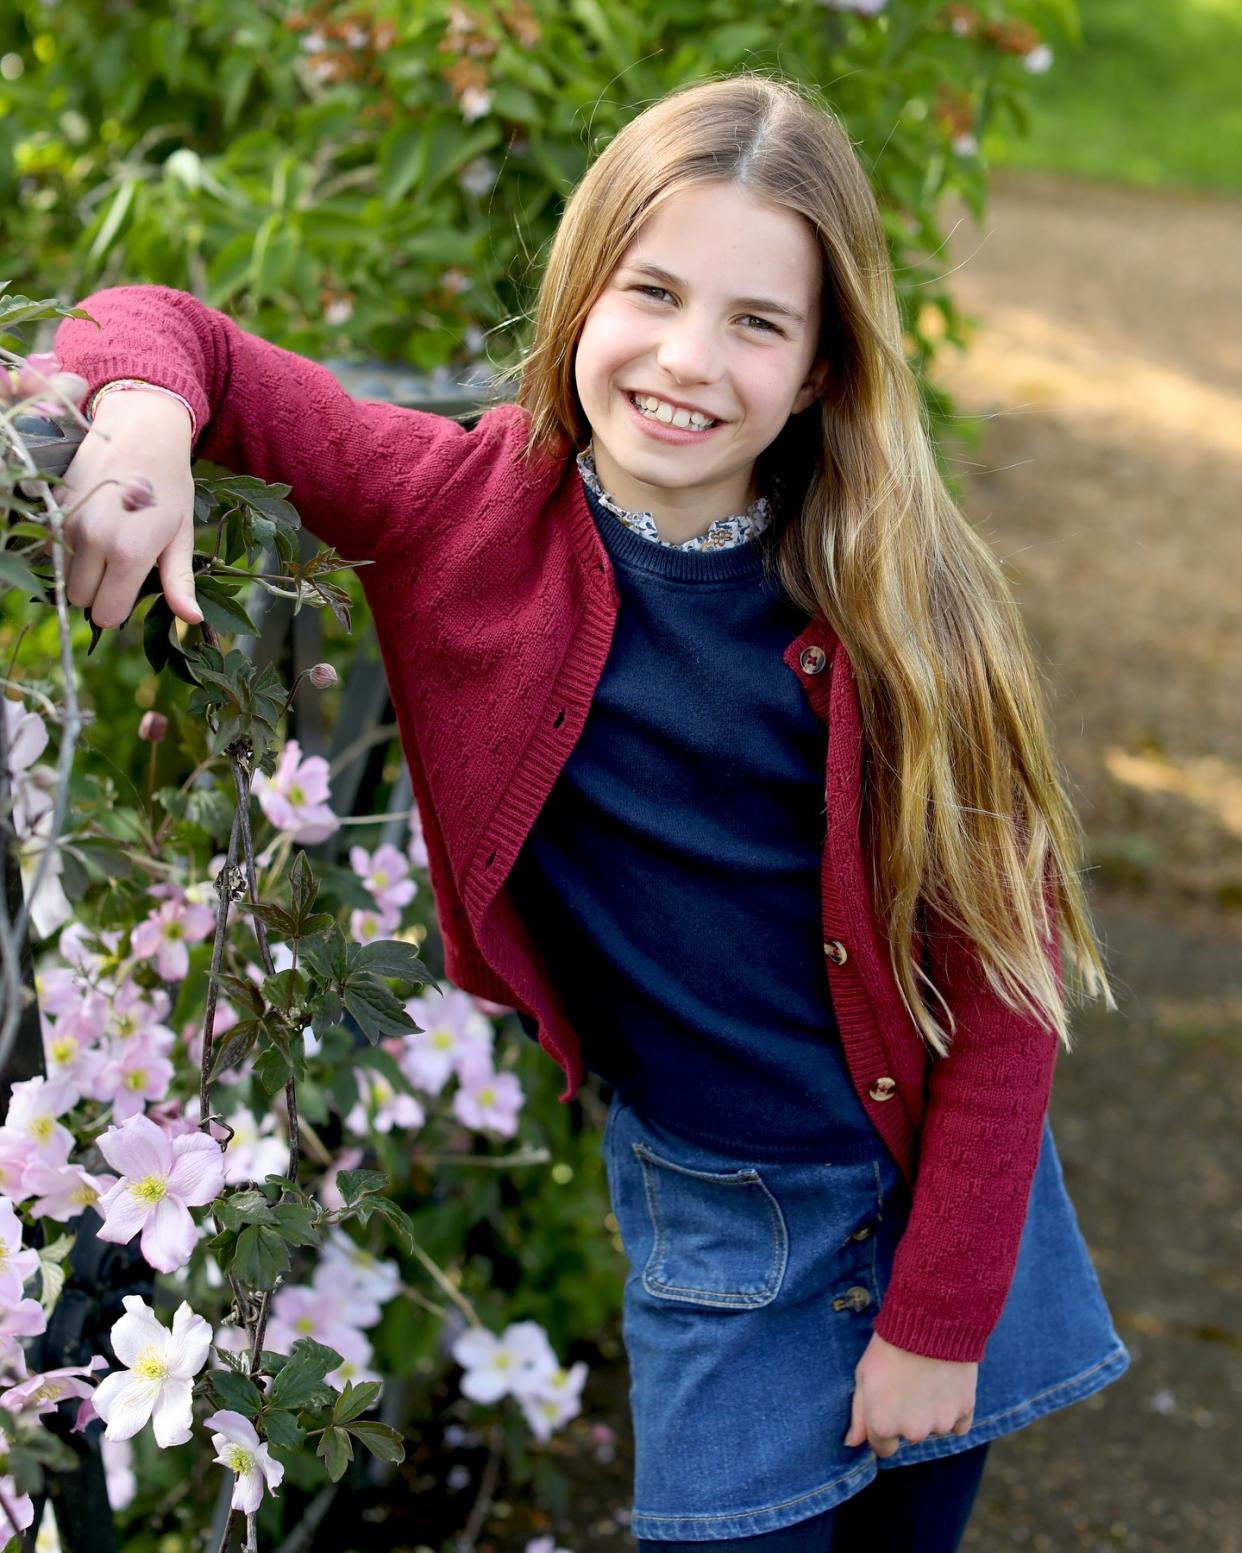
{"x":494,"y":603}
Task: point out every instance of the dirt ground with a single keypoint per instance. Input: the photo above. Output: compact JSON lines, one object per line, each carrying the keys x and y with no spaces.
{"x":1108,"y":360}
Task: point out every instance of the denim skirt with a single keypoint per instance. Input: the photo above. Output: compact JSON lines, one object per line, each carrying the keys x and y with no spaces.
{"x":749,"y":1300}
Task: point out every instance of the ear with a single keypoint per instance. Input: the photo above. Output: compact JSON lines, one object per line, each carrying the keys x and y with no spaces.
{"x":813,"y":388}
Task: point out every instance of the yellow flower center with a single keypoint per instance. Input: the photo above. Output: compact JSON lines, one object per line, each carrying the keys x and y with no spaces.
{"x":504,"y":1361}
{"x":442,"y":1039}
{"x":151,"y":1365}
{"x":173,"y":930}
{"x":152,"y":1189}
{"x":240,"y":1459}
{"x":84,"y":1195}
{"x":136,"y":1080}
{"x":63,"y":1050}
{"x":125,"y":1024}
{"x":487,"y":1096}
{"x":380,"y":878}
{"x":305,"y":1324}
{"x":41,"y":1128}
{"x":297,"y":795}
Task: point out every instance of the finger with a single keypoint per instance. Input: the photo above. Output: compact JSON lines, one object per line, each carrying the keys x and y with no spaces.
{"x":114,"y":602}
{"x":885,"y":1444}
{"x":964,"y":1425}
{"x":177,"y":575}
{"x":857,"y":1431}
{"x":86,"y":569}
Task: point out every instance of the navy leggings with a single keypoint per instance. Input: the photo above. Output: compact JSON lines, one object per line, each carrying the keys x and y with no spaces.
{"x":922,"y":1508}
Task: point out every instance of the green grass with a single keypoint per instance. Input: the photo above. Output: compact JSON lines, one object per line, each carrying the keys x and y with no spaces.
{"x":1152,"y":97}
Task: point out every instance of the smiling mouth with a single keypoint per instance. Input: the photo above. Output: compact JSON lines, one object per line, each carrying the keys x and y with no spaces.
{"x":667,"y":415}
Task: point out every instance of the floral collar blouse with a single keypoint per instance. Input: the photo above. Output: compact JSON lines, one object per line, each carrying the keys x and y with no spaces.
{"x":723,"y":533}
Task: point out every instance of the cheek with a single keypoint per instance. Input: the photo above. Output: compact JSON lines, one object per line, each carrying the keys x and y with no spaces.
{"x":608,"y":341}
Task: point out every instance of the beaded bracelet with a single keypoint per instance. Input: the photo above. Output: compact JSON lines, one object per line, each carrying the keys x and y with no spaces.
{"x":137,"y":382}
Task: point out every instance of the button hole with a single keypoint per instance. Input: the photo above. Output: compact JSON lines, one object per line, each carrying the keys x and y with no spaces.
{"x":490,"y":860}
{"x":559,"y":718}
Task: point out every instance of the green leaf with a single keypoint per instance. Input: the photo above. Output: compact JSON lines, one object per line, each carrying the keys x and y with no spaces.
{"x":353,"y":1185}
{"x":235,"y":1045}
{"x":220,"y":607}
{"x":296,"y":1223}
{"x":337,"y":1452}
{"x":379,"y":1439}
{"x":238,"y":1392}
{"x":272,"y":1070}
{"x":211,"y":809}
{"x":301,"y":1379}
{"x":377,"y":1010}
{"x":303,"y":887}
{"x":241,"y":991}
{"x":283,"y":1429}
{"x":390,"y":957}
{"x":355,"y":1399}
{"x":17,"y":574}
{"x":396,"y":1216}
{"x":261,"y":1256}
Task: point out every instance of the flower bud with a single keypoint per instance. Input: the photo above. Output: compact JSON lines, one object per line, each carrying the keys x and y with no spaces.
{"x":322,"y":676}
{"x":137,"y":493}
{"x":153,"y":727}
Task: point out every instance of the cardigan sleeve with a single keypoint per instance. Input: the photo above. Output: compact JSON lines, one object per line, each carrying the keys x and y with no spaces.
{"x":978,"y":1150}
{"x":360,"y":472}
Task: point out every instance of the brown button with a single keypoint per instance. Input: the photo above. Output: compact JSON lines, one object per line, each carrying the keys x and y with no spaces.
{"x":813,"y":659}
{"x":883,"y":1089}
{"x":856,"y":1298}
{"x":836,"y":951}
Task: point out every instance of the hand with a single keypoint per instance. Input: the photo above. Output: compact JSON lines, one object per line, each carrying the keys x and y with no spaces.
{"x":134,"y":435}
{"x":900,"y":1395}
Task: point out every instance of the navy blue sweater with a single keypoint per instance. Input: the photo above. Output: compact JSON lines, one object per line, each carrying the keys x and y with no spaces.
{"x":672,"y":879}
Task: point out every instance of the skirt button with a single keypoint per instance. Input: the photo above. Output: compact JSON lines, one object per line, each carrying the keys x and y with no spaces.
{"x":813,"y":659}
{"x":862,"y":1234}
{"x":836,"y":951}
{"x":856,"y":1298}
{"x":883,"y":1088}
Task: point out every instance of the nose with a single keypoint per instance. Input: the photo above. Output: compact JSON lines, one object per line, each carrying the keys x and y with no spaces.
{"x":688,"y":350}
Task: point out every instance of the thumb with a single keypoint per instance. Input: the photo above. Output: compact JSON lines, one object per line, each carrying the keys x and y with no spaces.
{"x":177,"y":575}
{"x":856,"y":1434}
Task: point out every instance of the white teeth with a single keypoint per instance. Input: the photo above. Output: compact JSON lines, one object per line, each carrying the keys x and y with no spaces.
{"x":658,"y":410}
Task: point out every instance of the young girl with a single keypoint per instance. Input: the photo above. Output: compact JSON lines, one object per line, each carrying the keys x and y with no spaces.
{"x":736,"y":782}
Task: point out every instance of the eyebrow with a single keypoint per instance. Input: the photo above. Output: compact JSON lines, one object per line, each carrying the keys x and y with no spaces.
{"x":757,"y":304}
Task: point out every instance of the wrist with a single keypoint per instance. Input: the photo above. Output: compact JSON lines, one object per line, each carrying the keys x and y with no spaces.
{"x":122,"y":406}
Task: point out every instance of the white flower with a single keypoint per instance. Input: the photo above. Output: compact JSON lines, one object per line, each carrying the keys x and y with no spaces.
{"x":519,"y":1360}
{"x":556,"y":1399}
{"x":965,"y":145}
{"x":1039,"y":59}
{"x":159,"y":1379}
{"x":239,"y":1448}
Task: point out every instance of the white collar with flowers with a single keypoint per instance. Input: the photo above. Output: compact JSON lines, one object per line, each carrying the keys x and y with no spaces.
{"x":722,"y":534}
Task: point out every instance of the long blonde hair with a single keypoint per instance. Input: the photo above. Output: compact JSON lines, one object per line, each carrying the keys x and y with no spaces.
{"x":966,"y":819}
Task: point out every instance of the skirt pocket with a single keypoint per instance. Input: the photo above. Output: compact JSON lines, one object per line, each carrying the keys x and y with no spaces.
{"x":719,"y":1237}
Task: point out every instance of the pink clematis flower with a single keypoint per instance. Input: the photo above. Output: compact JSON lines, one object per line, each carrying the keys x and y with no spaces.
{"x":16,"y":1265}
{"x":39,"y":1394}
{"x":488,"y":1100}
{"x":296,"y":797}
{"x":386,"y":873}
{"x":164,"y":935}
{"x":21,"y":1505}
{"x":453,"y":1035}
{"x":157,"y":1382}
{"x":137,"y":1074}
{"x":161,"y":1179}
{"x":239,"y":1448}
{"x":61,"y":1192}
{"x":416,"y":851}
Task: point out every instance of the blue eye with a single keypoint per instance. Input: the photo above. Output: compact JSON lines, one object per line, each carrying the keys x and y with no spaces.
{"x":762,"y":322}
{"x":751,"y":318}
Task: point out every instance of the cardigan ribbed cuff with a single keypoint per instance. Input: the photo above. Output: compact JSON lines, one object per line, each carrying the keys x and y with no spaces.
{"x":933,"y":1337}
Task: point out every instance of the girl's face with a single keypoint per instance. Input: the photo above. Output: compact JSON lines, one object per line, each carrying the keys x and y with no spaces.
{"x":713,"y":308}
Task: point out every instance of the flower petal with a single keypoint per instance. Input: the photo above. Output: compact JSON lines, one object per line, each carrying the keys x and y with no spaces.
{"x":174,"y":1412}
{"x":168,"y":1236}
{"x":197,"y":1174}
{"x":137,"y":1330}
{"x":124,"y":1402}
{"x":137,"y":1148}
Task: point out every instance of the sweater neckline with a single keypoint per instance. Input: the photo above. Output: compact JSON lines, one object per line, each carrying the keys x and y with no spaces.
{"x":636,"y":553}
